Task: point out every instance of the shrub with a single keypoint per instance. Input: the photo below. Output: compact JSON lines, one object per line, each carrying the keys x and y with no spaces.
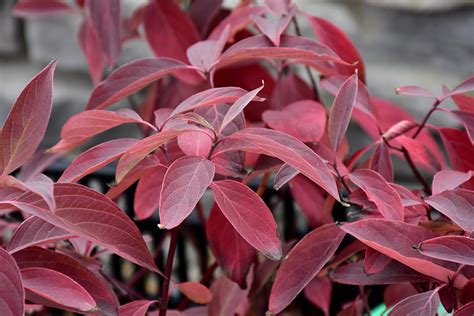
{"x":224,"y":108}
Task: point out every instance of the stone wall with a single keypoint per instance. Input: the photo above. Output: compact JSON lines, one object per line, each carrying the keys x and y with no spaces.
{"x":422,"y":42}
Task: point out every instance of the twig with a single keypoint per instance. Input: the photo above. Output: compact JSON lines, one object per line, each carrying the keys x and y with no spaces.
{"x":417,"y":173}
{"x":426,"y":118}
{"x":168,"y":270}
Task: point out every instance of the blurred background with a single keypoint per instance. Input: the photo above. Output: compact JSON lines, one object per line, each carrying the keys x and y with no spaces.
{"x":403,"y":42}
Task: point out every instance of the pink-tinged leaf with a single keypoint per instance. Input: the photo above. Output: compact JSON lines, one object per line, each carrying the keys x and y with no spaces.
{"x":466,"y":310}
{"x":52,"y":288}
{"x":303,"y":263}
{"x":105,"y":17}
{"x":467,"y":119}
{"x":203,"y":13}
{"x":449,"y":180}
{"x":148,"y":192}
{"x":135,"y":308}
{"x":415,"y":91}
{"x":249,"y":215}
{"x":35,"y":257}
{"x":91,"y":47}
{"x":238,"y":19}
{"x":238,"y":107}
{"x":26,"y":123}
{"x":195,"y":144}
{"x":226,"y":297}
{"x":84,"y":125}
{"x":420,"y":154}
{"x":341,"y":111}
{"x":185,"y":182}
{"x":394,"y":272}
{"x":278,"y":7}
{"x":305,"y":120}
{"x":36,"y":232}
{"x":304,"y":50}
{"x":39,"y":184}
{"x":426,"y":303}
{"x":379,"y":191}
{"x":319,"y":292}
{"x":465,"y":86}
{"x":131,"y":78}
{"x":396,"y":240}
{"x":37,"y":164}
{"x":394,"y":293}
{"x":35,"y":8}
{"x":381,"y":161}
{"x":284,"y":175}
{"x":288,"y":89}
{"x":195,"y":291}
{"x":232,"y":252}
{"x":333,"y":37}
{"x":204,"y":54}
{"x":12,"y":294}
{"x":458,"y":249}
{"x":374,"y":261}
{"x":457,"y":205}
{"x":464,"y":102}
{"x":209,"y":97}
{"x":165,"y":22}
{"x":400,"y":128}
{"x":95,"y":158}
{"x":284,"y":147}
{"x":273,"y":27}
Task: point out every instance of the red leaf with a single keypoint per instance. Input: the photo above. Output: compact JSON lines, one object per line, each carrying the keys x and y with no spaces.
{"x":195,"y":144}
{"x":148,"y":192}
{"x":457,"y":205}
{"x":303,"y":263}
{"x":165,"y":22}
{"x":420,"y":154}
{"x":12,"y":294}
{"x":185,"y":182}
{"x":35,"y":257}
{"x":204,"y":54}
{"x":466,"y":310}
{"x":84,"y":125}
{"x":135,"y":308}
{"x":232,"y":252}
{"x":284,"y":147}
{"x":90,"y":44}
{"x":226,"y":297}
{"x":394,"y":293}
{"x":464,"y":102}
{"x":374,"y":261}
{"x":52,"y":288}
{"x":467,"y":119}
{"x":274,"y":27}
{"x":458,"y":249}
{"x":381,"y":161}
{"x":105,"y":17}
{"x":249,"y":215}
{"x":341,"y":111}
{"x":95,"y":158}
{"x":195,"y":291}
{"x":203,"y":13}
{"x":289,"y":89}
{"x":35,"y":8}
{"x":305,"y":120}
{"x":396,"y":240}
{"x":379,"y":191}
{"x":39,"y":184}
{"x":319,"y":292}
{"x":426,"y":303}
{"x":131,"y":78}
{"x":465,"y":86}
{"x":415,"y":91}
{"x":35,"y":232}
{"x":26,"y":124}
{"x":238,"y":19}
{"x":449,"y":180}
{"x":330,"y":35}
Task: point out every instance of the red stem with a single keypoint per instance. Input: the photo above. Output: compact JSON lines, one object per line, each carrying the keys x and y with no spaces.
{"x":168,"y":270}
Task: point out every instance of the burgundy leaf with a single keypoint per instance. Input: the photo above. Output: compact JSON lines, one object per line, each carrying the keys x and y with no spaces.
{"x":426,"y":303}
{"x":400,"y":128}
{"x":381,"y":161}
{"x":464,"y":102}
{"x":274,"y":27}
{"x":449,"y":180}
{"x":232,"y":252}
{"x":249,"y":215}
{"x":35,"y":8}
{"x":289,"y":89}
{"x":466,"y":310}
{"x":91,"y":47}
{"x":374,"y":261}
{"x":302,"y":264}
{"x":165,"y":22}
{"x":379,"y":191}
{"x":305,"y":120}
{"x":52,"y":288}
{"x":420,"y":154}
{"x":394,"y":293}
{"x":284,"y":147}
{"x":467,"y":119}
{"x":415,"y":91}
{"x":26,"y":123}
{"x":226,"y":297}
{"x":203,"y":13}
{"x":148,"y":192}
{"x":319,"y":292}
{"x":35,"y":232}
{"x":457,"y":205}
{"x":35,"y":257}
{"x":131,"y":78}
{"x":135,"y":308}
{"x":458,"y":249}
{"x":396,"y":240}
{"x":284,"y":175}
{"x":84,"y":125}
{"x":39,"y":184}
{"x":341,"y":111}
{"x":12,"y":294}
{"x":195,"y":291}
{"x":204,"y":54}
{"x":238,"y":19}
{"x":185,"y":182}
{"x":195,"y":144}
{"x":37,"y":164}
